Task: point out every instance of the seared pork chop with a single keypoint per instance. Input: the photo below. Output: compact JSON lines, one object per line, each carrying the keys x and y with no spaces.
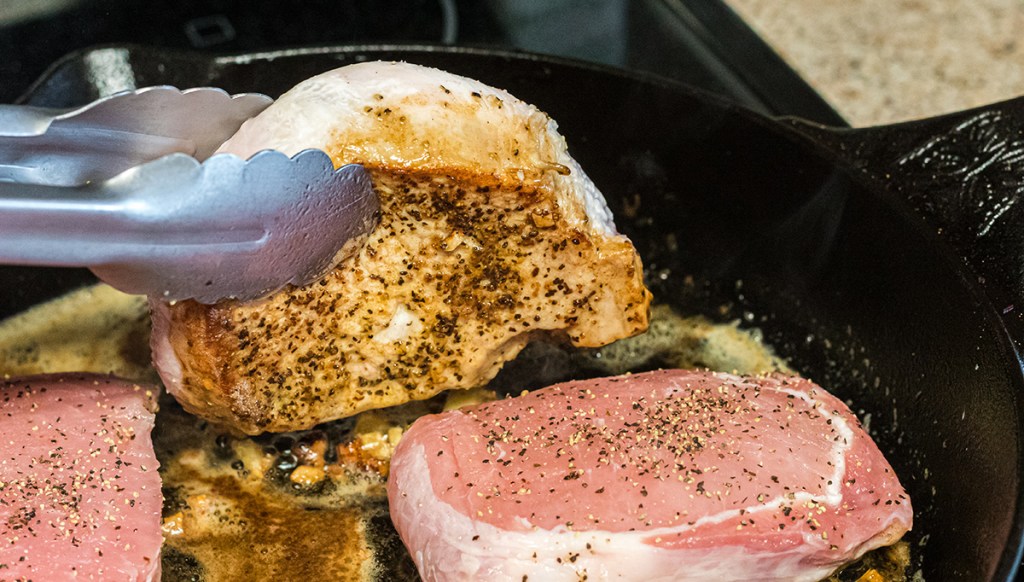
{"x":670,"y":475}
{"x":490,"y":233}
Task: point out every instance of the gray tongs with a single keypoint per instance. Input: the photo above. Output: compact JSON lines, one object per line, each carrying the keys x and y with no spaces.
{"x":129,"y":187}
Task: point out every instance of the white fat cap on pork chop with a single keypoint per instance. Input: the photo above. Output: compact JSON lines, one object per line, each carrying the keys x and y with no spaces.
{"x":435,"y":131}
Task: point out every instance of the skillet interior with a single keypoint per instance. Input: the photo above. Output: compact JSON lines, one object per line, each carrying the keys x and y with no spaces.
{"x":734,"y":219}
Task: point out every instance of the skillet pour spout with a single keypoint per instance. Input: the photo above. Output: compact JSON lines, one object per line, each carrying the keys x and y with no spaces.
{"x":812,"y":235}
{"x":964,"y":174}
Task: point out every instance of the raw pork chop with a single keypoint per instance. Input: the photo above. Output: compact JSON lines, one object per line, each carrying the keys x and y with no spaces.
{"x":79,"y":489}
{"x":490,"y":234}
{"x":669,"y":475}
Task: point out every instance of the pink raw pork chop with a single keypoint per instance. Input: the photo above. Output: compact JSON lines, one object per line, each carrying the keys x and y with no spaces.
{"x":79,"y":489}
{"x":669,"y":475}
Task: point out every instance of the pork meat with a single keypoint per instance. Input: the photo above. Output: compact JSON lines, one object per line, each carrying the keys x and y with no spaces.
{"x":490,"y":234}
{"x":668,"y":475}
{"x":79,"y":489}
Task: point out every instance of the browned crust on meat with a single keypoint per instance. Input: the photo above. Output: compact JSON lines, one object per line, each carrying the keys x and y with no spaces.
{"x":477,"y":264}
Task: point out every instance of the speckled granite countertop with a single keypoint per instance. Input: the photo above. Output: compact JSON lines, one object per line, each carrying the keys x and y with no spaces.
{"x":882,"y":61}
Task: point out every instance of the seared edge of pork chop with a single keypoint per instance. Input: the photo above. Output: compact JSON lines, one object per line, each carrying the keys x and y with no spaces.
{"x":670,"y":475}
{"x":490,"y":233}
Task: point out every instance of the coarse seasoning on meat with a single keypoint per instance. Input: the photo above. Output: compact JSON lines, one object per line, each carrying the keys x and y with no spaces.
{"x":79,"y":490}
{"x":490,"y":234}
{"x":668,"y":475}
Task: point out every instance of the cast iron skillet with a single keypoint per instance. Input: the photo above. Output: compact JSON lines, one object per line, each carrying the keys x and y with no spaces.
{"x":802,"y":231}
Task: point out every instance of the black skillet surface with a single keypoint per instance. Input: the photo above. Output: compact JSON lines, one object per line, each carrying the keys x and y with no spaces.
{"x":773,"y":222}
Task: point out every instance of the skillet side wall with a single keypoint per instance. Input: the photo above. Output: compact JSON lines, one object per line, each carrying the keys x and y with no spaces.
{"x":845,"y":286}
{"x":734,"y":220}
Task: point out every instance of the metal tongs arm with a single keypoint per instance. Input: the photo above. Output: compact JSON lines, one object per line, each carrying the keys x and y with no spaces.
{"x":99,"y":140}
{"x":205,"y":243}
{"x":118,"y":186}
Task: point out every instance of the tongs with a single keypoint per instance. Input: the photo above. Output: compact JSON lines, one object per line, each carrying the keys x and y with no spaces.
{"x":128,"y":186}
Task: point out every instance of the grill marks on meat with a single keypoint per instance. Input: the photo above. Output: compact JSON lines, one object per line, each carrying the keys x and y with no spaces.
{"x":481,"y":245}
{"x":79,"y":489}
{"x":670,"y":475}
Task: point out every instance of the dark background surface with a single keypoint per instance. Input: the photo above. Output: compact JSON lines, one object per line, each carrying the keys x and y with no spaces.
{"x":700,"y":42}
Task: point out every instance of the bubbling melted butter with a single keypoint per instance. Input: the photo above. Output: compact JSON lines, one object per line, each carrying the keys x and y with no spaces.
{"x":226,"y":519}
{"x":94,"y":329}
